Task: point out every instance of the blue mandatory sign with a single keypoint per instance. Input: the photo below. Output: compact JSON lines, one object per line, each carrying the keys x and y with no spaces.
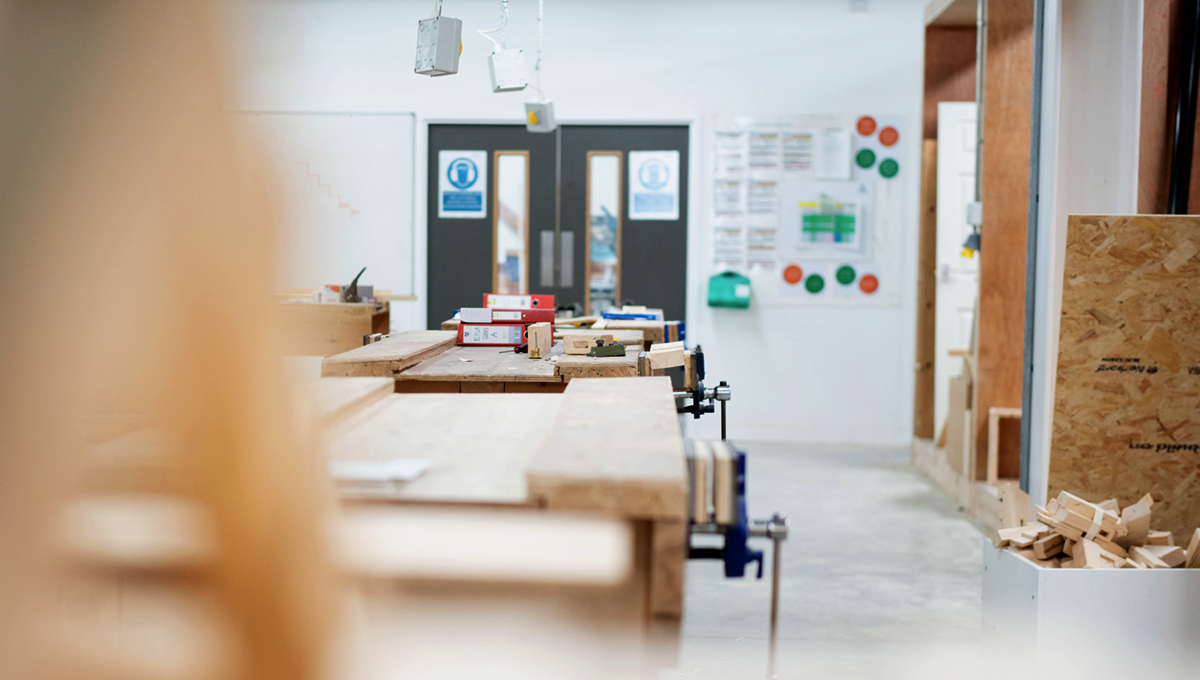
{"x":462,"y":173}
{"x":654,"y":174}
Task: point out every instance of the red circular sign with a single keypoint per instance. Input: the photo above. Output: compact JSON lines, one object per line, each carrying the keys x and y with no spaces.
{"x":868,"y":284}
{"x":888,"y":136}
{"x":793,"y":274}
{"x":866,"y":126}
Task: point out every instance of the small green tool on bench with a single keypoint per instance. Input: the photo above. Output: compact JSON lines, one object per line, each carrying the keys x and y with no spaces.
{"x":602,"y":350}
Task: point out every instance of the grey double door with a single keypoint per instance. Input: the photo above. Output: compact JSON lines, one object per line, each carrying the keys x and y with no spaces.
{"x":555,"y":216}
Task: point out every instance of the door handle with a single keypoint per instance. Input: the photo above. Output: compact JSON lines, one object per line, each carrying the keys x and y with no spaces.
{"x":567,"y":263}
{"x":546,"y":276}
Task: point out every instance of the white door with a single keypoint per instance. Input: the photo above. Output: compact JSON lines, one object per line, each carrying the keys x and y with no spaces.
{"x":957,"y":276}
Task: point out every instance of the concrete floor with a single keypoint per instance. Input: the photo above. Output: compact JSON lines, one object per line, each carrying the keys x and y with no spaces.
{"x":881,"y":574}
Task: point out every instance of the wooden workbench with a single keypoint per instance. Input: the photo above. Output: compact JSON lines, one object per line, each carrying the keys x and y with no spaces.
{"x":610,"y":446}
{"x":429,"y":361}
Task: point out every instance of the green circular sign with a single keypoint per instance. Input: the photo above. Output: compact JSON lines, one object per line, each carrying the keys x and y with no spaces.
{"x":888,"y":168}
{"x":814,"y":283}
{"x":846,"y":275}
{"x":865,"y":158}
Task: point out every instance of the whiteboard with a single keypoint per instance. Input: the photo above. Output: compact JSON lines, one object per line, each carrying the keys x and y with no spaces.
{"x":343,"y":189}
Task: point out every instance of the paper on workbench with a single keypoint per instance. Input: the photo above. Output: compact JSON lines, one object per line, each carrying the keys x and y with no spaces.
{"x":394,"y":470}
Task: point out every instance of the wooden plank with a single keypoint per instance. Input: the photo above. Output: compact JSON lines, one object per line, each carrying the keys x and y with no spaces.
{"x":1156,"y":121}
{"x":652,"y":331}
{"x":723,"y":477}
{"x":338,"y":398}
{"x":701,"y":466}
{"x":949,"y":71}
{"x":478,"y":445}
{"x":1127,"y":389}
{"x":1005,"y":196}
{"x":576,"y":366}
{"x":615,"y":448}
{"x":923,"y":385}
{"x":488,"y":364}
{"x":1015,"y":507}
{"x":389,"y":356}
{"x":1193,"y":551}
{"x":481,"y":387}
{"x":311,"y":329}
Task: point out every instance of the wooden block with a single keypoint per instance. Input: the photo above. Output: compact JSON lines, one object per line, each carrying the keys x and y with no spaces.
{"x":541,"y":340}
{"x":1193,"y":551}
{"x":1048,"y":546}
{"x":1171,"y":555}
{"x":723,"y":481}
{"x":1146,"y":558}
{"x":1110,"y":505}
{"x":689,"y":371}
{"x":1003,"y":537}
{"x":1089,"y":555}
{"x":1130,"y":564}
{"x":701,"y":473}
{"x":1027,"y":553}
{"x":450,"y":325}
{"x":1160,"y":538}
{"x":1136,"y":519}
{"x":956,"y":434}
{"x":1015,"y":508}
{"x":666,"y":358}
{"x":663,"y":346}
{"x":582,"y":343}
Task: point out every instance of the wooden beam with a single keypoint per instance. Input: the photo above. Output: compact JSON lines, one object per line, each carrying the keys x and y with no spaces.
{"x":923,"y":385}
{"x":1005,"y":197}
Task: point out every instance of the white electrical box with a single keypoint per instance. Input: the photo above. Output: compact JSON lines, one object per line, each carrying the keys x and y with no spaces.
{"x":539,"y":116}
{"x":508,"y":70}
{"x":439,"y":42}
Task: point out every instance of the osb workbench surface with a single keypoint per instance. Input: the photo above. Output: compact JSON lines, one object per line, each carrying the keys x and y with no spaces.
{"x":1127,"y":399}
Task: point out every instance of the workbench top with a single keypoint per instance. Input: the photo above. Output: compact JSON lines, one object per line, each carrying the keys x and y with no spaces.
{"x":485,"y":364}
{"x":609,"y":445}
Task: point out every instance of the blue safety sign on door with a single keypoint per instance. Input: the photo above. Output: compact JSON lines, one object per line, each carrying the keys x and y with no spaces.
{"x":462,"y":184}
{"x":653,"y":185}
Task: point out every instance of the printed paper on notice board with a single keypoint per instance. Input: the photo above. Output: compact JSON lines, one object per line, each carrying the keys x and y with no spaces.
{"x":462,"y":184}
{"x":653,"y":185}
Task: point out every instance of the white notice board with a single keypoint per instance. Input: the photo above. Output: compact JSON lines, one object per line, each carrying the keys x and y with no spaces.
{"x":343,"y":191}
{"x":811,"y":208}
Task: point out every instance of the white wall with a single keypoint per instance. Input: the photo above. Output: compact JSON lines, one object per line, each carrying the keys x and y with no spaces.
{"x":840,"y":375}
{"x":1091,"y":92}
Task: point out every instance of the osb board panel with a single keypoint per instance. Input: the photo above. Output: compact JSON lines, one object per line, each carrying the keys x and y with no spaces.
{"x":1127,"y":400}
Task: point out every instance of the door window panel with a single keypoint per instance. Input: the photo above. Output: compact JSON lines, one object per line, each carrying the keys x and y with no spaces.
{"x":510,"y":237}
{"x":604,"y":230}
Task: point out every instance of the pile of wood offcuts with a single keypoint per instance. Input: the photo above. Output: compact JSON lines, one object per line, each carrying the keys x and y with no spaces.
{"x":1071,"y":533}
